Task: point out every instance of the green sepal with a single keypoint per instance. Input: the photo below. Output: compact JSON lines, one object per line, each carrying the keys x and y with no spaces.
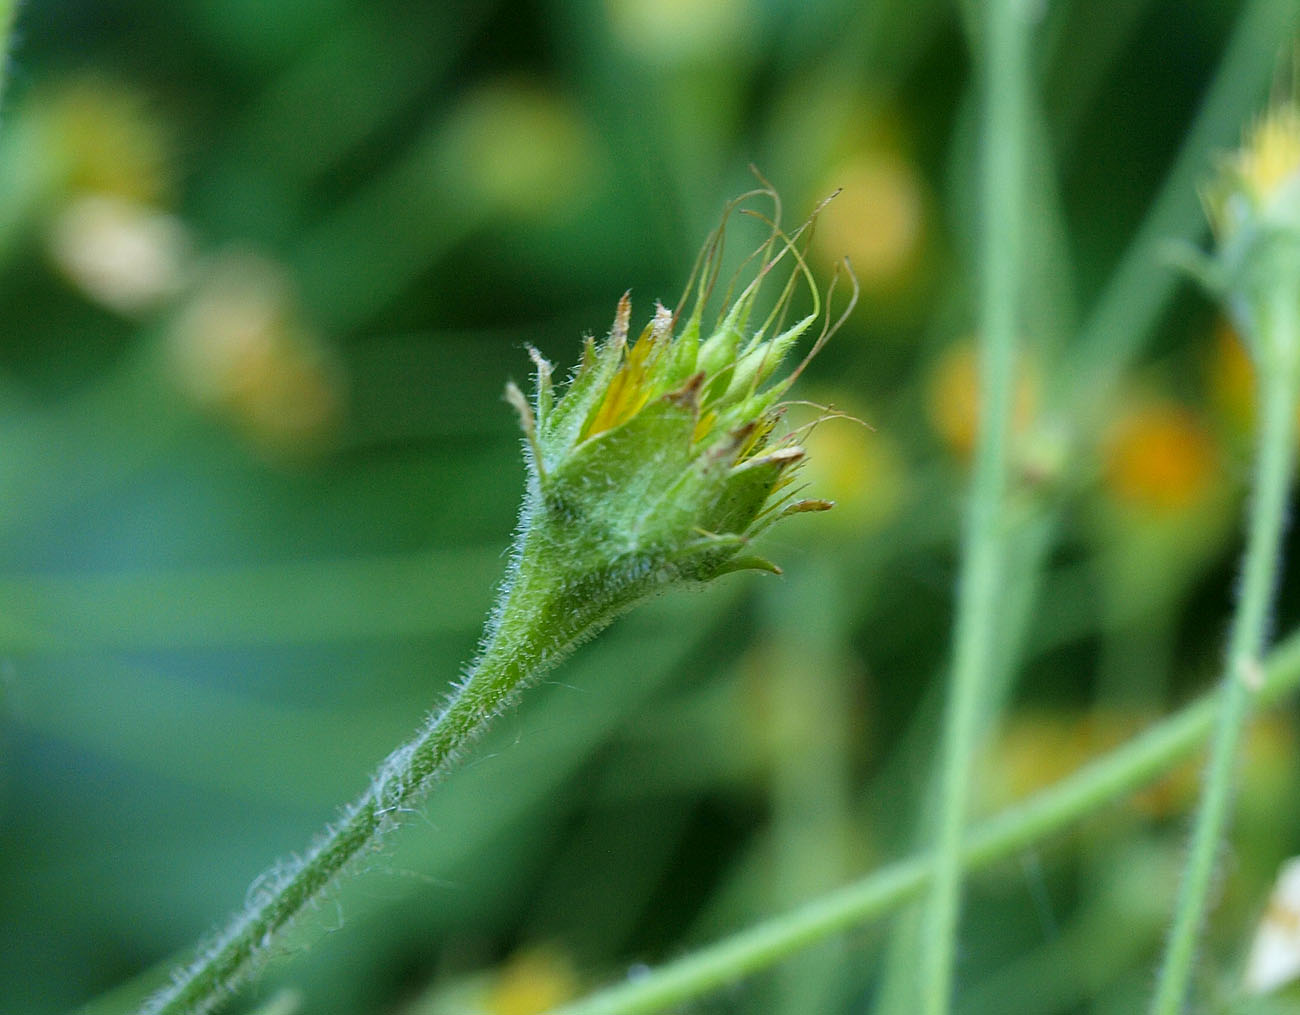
{"x":641,"y":457}
{"x":718,"y":352}
{"x":683,"y":359}
{"x":545,"y":396}
{"x":587,"y":389}
{"x":746,"y":489}
{"x":759,"y":362}
{"x":748,"y":563}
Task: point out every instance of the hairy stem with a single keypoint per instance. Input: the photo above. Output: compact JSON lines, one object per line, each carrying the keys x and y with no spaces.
{"x":977,"y":616}
{"x":1110,"y":778}
{"x":1278,"y":343}
{"x":524,"y":641}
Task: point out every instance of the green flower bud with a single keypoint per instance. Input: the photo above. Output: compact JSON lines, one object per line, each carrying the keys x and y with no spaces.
{"x":1254,"y":207}
{"x":660,"y":461}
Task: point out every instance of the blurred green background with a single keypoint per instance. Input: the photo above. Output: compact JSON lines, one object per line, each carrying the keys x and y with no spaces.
{"x":264,"y":272}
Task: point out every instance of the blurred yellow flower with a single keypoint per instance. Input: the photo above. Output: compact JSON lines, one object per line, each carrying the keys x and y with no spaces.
{"x":532,"y":981}
{"x":675,"y":31}
{"x":239,"y":345}
{"x":1263,"y":174}
{"x":106,"y":139}
{"x":519,"y":148}
{"x":1037,"y":748}
{"x":1271,"y":158}
{"x":952,"y":397}
{"x":1231,"y":378}
{"x":877,"y":220}
{"x":858,"y":468}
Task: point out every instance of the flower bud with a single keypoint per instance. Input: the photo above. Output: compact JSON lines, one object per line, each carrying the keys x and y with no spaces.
{"x":660,"y":460}
{"x":1254,"y":207}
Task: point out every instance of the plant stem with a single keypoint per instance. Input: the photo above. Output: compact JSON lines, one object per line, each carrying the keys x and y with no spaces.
{"x":525,"y":639}
{"x":1142,"y":284}
{"x":977,"y":614}
{"x":1278,"y":349}
{"x":1117,"y":774}
{"x":8,"y":13}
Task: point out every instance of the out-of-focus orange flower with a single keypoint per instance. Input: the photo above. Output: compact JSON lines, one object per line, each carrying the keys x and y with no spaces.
{"x":1160,"y":458}
{"x":1165,"y":501}
{"x":1038,"y":749}
{"x":952,"y":397}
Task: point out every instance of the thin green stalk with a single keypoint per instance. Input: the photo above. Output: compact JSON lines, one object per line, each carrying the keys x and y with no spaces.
{"x":1121,"y":772}
{"x":8,"y":12}
{"x":1004,"y":70}
{"x":1279,"y":324}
